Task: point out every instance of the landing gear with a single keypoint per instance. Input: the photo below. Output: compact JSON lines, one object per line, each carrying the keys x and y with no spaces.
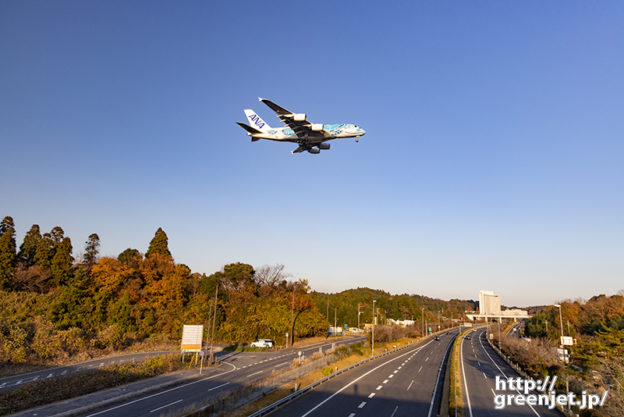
{"x":357,"y":138}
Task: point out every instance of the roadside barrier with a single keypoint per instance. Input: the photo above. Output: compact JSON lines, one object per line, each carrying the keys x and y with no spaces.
{"x":313,"y":385}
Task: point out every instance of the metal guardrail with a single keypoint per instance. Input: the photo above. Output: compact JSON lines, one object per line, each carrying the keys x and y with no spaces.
{"x":296,"y":394}
{"x":516,"y":367}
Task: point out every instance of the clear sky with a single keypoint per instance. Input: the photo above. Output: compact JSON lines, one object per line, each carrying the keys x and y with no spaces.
{"x":493,"y":159}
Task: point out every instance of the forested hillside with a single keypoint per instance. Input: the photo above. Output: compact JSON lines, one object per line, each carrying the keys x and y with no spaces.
{"x":53,"y":306}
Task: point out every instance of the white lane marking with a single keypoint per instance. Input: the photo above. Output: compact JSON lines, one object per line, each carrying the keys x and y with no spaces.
{"x":493,"y":393}
{"x":3,"y":384}
{"x":419,"y":369}
{"x":218,"y":386}
{"x":163,"y":392}
{"x":36,"y":378}
{"x":395,"y":410}
{"x":281,"y":364}
{"x":352,"y":415}
{"x":390,"y":376}
{"x":255,"y":373}
{"x":19,"y":382}
{"x":501,"y":371}
{"x":410,"y":385}
{"x":362,"y":404}
{"x":64,"y":372}
{"x":484,"y":375}
{"x":435,"y":387}
{"x":378,"y":388}
{"x":427,"y":359}
{"x":372,"y":394}
{"x":357,"y":379}
{"x":395,"y":372}
{"x":160,"y":408}
{"x":385,"y":381}
{"x":461,"y":354}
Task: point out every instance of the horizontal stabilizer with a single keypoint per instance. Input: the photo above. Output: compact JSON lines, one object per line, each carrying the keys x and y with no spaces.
{"x":248,"y":128}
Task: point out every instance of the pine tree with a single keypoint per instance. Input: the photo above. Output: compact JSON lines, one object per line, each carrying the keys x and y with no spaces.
{"x":28,"y":248}
{"x":62,"y":262}
{"x":159,"y":244}
{"x":44,"y":252}
{"x":91,"y":249}
{"x":7,"y":251}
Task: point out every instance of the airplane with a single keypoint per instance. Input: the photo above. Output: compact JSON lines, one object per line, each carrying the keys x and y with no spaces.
{"x":309,"y":136}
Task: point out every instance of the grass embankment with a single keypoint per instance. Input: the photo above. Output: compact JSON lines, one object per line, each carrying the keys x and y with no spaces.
{"x":456,"y":396}
{"x":352,"y":354}
{"x":47,"y":391}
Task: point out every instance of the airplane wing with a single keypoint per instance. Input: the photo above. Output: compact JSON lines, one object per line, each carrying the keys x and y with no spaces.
{"x":296,"y":121}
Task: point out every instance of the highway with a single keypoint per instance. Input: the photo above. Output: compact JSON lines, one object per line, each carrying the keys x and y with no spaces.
{"x":404,"y":383}
{"x":237,"y":369}
{"x":480,"y":366}
{"x":15,"y":381}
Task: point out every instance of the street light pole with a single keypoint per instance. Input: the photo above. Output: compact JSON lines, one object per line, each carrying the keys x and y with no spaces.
{"x":373,"y":335}
{"x":422,"y":315}
{"x":335,"y":308}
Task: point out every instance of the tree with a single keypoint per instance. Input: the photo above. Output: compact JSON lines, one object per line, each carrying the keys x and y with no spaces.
{"x":7,"y":251}
{"x":44,"y":251}
{"x":28,"y":248}
{"x":130,"y":257}
{"x":91,"y":250}
{"x":62,"y":262}
{"x":159,"y":244}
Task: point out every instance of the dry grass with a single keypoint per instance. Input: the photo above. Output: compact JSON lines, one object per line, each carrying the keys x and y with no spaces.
{"x":51,"y":390}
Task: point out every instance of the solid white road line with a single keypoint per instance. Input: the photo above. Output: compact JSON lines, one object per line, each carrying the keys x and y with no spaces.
{"x":164,"y":406}
{"x":394,"y":412}
{"x":163,"y":392}
{"x":255,"y":373}
{"x":461,"y":354}
{"x":410,"y":385}
{"x":501,"y":371}
{"x":362,"y":404}
{"x":358,"y":378}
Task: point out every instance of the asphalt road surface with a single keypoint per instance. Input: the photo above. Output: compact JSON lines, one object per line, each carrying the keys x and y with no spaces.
{"x":480,"y":366}
{"x":237,"y":369}
{"x":12,"y":382}
{"x":404,"y":383}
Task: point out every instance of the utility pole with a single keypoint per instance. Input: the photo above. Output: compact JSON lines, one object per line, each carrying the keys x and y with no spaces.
{"x":422,"y":315}
{"x":292,"y":319}
{"x":359,"y":315}
{"x":327,"y":308}
{"x":373,"y":336}
{"x":565,"y":357}
{"x":214,"y":321}
{"x":335,"y":309}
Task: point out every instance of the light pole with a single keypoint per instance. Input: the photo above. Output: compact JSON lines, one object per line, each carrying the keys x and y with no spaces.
{"x":563,"y":349}
{"x":373,"y":335}
{"x":422,"y":315}
{"x":335,"y":331}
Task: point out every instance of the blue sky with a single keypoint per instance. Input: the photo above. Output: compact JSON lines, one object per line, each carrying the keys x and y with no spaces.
{"x":492,"y":159}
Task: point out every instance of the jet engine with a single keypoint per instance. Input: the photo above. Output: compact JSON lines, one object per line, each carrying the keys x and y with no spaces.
{"x":323,"y":146}
{"x":299,"y":117}
{"x":316,"y":127}
{"x":314,"y":150}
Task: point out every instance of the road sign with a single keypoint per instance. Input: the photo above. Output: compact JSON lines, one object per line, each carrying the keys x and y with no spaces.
{"x":567,"y":341}
{"x":346,"y":326}
{"x":192,"y":338}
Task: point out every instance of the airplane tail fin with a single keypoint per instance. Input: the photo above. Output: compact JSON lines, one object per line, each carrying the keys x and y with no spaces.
{"x":256,"y":121}
{"x":248,"y":128}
